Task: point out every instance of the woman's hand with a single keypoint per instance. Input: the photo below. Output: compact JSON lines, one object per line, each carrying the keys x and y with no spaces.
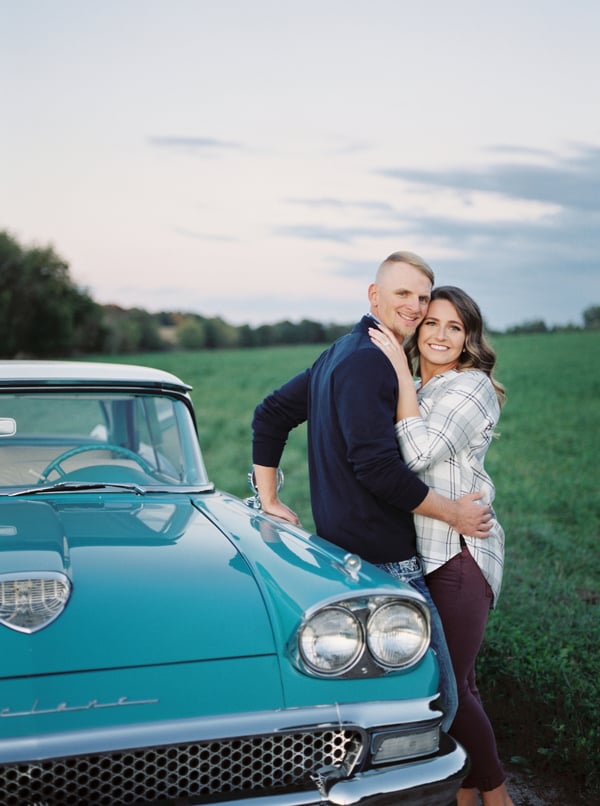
{"x":387,"y":342}
{"x":383,"y":338}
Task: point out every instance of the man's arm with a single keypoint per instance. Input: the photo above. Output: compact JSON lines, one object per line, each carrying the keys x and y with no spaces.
{"x":466,"y":515}
{"x":265,"y":480}
{"x":274,"y":418}
{"x":287,"y":407}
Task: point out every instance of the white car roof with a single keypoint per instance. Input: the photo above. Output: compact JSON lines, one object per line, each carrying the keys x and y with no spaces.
{"x":50,"y":372}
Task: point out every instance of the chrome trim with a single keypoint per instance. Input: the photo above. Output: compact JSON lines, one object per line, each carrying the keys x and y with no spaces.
{"x":423,"y":783}
{"x":64,"y":707}
{"x":363,"y":716}
{"x":352,"y":566}
{"x":8,"y":426}
{"x":41,"y":612}
{"x":361,"y":604}
{"x":359,"y":649}
{"x":254,"y":500}
{"x":370,"y":593}
{"x":439,"y":776}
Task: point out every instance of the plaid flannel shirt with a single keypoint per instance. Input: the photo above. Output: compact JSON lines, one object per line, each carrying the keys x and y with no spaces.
{"x":446,"y":447}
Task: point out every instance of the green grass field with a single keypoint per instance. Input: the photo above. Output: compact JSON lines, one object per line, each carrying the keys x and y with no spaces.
{"x":540,"y":665}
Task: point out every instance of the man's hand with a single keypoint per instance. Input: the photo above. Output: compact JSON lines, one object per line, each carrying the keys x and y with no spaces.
{"x":468,"y":516}
{"x":280,"y":510}
{"x":473,"y":518}
{"x":265,"y":479}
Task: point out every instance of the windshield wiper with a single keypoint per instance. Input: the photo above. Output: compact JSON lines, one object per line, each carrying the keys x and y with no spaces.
{"x":77,"y":486}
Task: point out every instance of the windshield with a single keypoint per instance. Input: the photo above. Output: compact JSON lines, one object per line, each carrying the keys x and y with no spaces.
{"x":105,"y":437}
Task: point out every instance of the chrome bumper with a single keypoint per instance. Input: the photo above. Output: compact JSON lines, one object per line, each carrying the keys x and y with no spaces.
{"x":423,"y":781}
{"x":430,"y":782}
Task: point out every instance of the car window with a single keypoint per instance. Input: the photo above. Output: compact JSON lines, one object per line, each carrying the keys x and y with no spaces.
{"x":98,"y":436}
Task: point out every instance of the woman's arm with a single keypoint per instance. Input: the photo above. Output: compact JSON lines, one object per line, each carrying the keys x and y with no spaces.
{"x":468,"y":408}
{"x":407,"y":395}
{"x":465,"y":415}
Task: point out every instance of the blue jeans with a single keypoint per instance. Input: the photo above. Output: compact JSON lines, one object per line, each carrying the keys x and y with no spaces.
{"x":410,"y":571}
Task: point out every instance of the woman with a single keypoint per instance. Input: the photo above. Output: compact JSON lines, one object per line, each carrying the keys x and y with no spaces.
{"x":444,"y":430}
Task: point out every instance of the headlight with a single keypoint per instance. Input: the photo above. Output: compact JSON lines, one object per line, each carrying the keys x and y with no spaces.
{"x":397,"y":634}
{"x":364,"y":636}
{"x":331,"y":641}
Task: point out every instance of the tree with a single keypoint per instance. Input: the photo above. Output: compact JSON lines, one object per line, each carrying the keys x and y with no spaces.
{"x":42,"y":313}
{"x":131,"y":330}
{"x":219,"y":333}
{"x":190,"y":334}
{"x":591,"y":318}
{"x":533,"y":326}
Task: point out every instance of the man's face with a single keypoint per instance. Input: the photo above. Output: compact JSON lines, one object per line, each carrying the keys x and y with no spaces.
{"x":401,"y":298}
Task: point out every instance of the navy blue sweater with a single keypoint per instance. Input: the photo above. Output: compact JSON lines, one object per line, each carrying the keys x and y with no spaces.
{"x":362,"y":492}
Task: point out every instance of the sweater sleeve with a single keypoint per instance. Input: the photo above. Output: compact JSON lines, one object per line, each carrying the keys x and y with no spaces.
{"x":276,"y":416}
{"x":464,"y":414}
{"x":366,"y":391}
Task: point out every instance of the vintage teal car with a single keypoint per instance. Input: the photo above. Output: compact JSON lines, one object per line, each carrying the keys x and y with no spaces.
{"x":164,"y":642}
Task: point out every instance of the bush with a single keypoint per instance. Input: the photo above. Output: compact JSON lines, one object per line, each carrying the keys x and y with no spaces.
{"x":538,"y":669}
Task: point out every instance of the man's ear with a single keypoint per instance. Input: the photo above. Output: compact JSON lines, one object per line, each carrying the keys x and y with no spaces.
{"x":373,"y":294}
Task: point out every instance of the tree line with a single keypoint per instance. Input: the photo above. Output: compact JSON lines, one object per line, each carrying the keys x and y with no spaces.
{"x":43,"y":314}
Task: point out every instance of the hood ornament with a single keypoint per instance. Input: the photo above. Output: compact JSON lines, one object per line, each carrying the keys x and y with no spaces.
{"x":254,"y":500}
{"x":30,"y":601}
{"x":352,"y":565}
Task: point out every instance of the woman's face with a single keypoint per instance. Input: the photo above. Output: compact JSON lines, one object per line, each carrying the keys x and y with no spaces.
{"x":441,"y":336}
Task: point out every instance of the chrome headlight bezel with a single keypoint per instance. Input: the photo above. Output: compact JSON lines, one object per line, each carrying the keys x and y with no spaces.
{"x":331,"y":641}
{"x":370,"y":611}
{"x":32,"y":600}
{"x":404,"y":617}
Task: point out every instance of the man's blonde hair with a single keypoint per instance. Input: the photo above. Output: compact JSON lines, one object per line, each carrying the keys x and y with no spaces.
{"x":405,"y":257}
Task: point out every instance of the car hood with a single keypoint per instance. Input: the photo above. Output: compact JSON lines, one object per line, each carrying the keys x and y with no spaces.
{"x":153,"y":581}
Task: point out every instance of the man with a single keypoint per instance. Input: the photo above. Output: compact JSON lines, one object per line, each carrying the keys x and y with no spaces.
{"x":362,"y":493}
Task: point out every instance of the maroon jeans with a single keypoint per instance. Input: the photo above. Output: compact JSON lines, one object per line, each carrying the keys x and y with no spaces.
{"x":463,"y":599}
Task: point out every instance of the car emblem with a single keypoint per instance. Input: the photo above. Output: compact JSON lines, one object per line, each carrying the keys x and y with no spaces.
{"x":31,"y":601}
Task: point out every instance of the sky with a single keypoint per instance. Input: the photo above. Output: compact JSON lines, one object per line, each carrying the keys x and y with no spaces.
{"x":257,"y":159}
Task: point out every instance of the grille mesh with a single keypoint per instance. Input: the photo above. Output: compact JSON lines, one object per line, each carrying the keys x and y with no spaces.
{"x":260,"y":764}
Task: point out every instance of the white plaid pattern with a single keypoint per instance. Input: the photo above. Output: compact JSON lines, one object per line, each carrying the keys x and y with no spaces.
{"x":446,"y":447}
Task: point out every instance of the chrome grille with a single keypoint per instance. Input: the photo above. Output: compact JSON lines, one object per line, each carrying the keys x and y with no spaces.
{"x":260,"y":764}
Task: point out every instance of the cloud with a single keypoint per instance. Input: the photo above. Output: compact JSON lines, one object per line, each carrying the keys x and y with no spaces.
{"x":192,"y":144}
{"x":344,"y":235}
{"x":204,"y":236}
{"x":522,"y":234}
{"x":359,"y":269}
{"x":344,"y":204}
{"x":526,"y":151}
{"x":573,"y":183}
